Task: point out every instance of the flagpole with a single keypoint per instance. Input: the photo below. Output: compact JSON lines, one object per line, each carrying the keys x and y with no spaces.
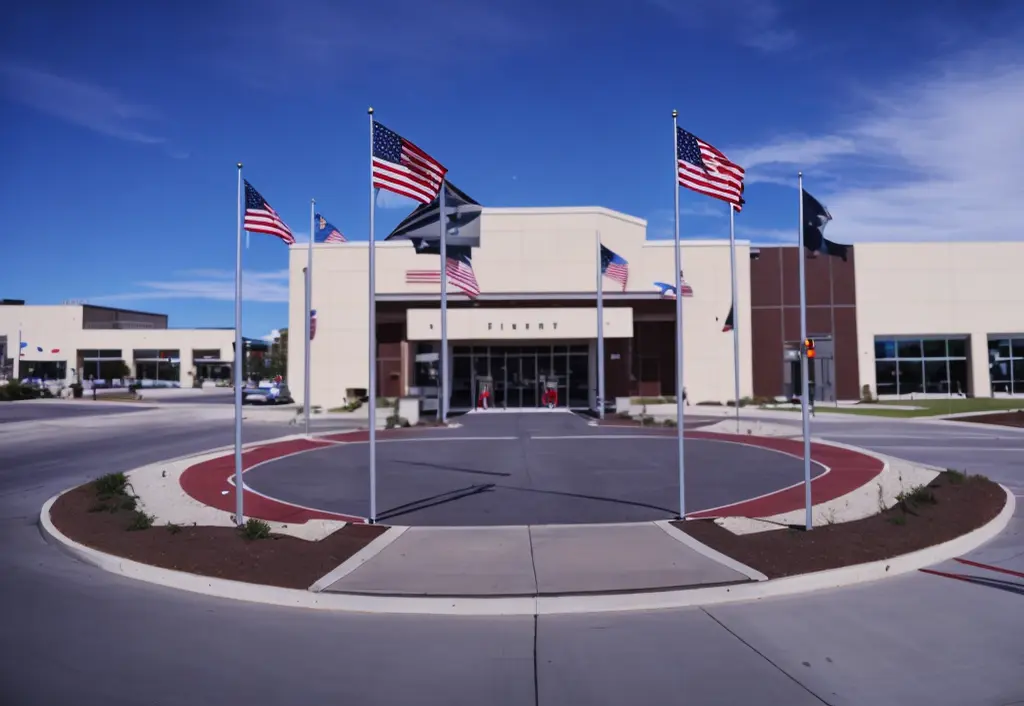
{"x":309,"y":315}
{"x":372,"y":386}
{"x":600,"y":330}
{"x":680,"y":388}
{"x":804,"y":385}
{"x":832,"y":330}
{"x":735,"y":327}
{"x":239,"y":358}
{"x":442,"y":390}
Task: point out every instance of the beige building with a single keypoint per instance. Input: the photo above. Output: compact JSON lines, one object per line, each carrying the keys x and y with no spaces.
{"x":879,"y":318}
{"x":85,"y":342}
{"x":535,"y":319}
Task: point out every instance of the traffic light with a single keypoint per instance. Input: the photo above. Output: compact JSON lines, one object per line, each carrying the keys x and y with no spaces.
{"x":809,"y":347}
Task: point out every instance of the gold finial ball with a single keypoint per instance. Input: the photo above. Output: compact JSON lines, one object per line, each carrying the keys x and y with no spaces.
{"x":370,"y":110}
{"x":675,"y":113}
{"x":239,"y":165}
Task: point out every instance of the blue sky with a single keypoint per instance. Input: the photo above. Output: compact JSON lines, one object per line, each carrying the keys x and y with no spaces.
{"x":123,"y":122}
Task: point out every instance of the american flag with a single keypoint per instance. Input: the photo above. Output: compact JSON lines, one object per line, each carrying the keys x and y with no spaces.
{"x":614,"y":267}
{"x":402,"y":167}
{"x":460,"y":274}
{"x":312,"y":324}
{"x":727,"y":326}
{"x":325,"y":232}
{"x":668,"y":291}
{"x":261,"y":218}
{"x":705,"y":170}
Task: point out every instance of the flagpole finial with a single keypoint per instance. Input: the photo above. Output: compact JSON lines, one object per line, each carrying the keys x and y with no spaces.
{"x":800,"y":174}
{"x":675,"y":113}
{"x":239,"y":165}
{"x":370,"y":110}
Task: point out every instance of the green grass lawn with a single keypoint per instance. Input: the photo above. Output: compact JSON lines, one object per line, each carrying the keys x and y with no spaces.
{"x":929,"y":408}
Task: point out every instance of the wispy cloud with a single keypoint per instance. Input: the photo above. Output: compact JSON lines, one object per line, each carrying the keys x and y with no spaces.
{"x":80,"y":103}
{"x":389,"y":199}
{"x":709,"y":209}
{"x":272,"y":336}
{"x":217,"y":285}
{"x":757,"y":24}
{"x":933,"y":158}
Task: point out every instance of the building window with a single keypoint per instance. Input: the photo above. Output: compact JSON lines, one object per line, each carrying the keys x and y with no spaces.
{"x":933,"y":366}
{"x":1006,"y":364}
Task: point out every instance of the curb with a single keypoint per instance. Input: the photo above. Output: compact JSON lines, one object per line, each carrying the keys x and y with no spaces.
{"x":529,"y":606}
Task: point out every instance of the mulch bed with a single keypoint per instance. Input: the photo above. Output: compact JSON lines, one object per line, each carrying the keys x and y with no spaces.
{"x":1004,"y":419}
{"x":960,"y":506}
{"x":221,"y":552}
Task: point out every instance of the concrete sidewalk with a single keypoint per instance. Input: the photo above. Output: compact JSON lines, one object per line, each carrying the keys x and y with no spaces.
{"x":535,"y":561}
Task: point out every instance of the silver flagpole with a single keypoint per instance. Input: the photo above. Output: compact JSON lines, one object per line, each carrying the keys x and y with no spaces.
{"x":372,"y":387}
{"x":680,"y":387}
{"x":735,"y":318}
{"x":804,"y":385}
{"x":600,"y":331}
{"x":309,"y":311}
{"x":239,"y":362}
{"x":442,"y":391}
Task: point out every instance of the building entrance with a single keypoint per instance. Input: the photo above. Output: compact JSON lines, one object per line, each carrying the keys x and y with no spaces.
{"x":520,"y":374}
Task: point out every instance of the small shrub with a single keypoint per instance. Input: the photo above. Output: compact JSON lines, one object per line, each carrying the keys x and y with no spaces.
{"x":173,"y":528}
{"x":140,"y":521}
{"x":255,"y":529}
{"x":709,"y":403}
{"x":669,"y":423}
{"x":865,"y":394}
{"x":129,"y":502}
{"x":98,"y":506}
{"x":899,"y":520}
{"x":111,"y":484}
{"x":624,"y":415}
{"x":919,"y":495}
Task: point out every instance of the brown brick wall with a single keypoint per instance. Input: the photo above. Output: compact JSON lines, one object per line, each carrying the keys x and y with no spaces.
{"x":775,"y":315}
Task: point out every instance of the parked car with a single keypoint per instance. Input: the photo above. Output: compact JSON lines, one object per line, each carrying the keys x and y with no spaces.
{"x":267,"y":393}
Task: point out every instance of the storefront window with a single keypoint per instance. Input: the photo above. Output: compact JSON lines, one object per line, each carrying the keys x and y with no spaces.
{"x":1006,"y":365}
{"x":909,"y":366}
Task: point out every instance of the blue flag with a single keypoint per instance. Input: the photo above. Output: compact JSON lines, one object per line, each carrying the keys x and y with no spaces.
{"x":324,"y":232}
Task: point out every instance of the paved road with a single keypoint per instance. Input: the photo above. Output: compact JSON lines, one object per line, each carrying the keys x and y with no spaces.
{"x":204,"y":398}
{"x":26,"y":411}
{"x":527,"y":469}
{"x":79,"y":635}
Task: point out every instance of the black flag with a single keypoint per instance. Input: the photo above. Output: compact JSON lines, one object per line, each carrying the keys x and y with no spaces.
{"x":463,"y":220}
{"x":816,"y":217}
{"x":728,"y":322}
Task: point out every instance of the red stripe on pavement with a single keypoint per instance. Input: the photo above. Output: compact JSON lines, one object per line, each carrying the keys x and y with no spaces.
{"x":207,"y":481}
{"x":947,"y":575}
{"x":849,"y":471}
{"x":989,"y":567}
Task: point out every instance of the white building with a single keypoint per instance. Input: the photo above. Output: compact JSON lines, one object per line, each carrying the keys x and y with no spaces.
{"x":879,"y":319}
{"x":86,"y":342}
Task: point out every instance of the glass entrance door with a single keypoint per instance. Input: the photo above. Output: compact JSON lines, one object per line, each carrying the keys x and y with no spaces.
{"x":519,"y":374}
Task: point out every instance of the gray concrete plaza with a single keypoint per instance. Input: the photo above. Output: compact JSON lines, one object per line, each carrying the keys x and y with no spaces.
{"x":527,"y":469}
